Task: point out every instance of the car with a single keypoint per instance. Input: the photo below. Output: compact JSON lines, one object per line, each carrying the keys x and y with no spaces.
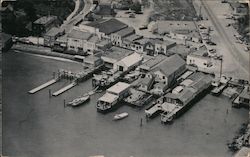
{"x":247,"y":48}
{"x":212,"y":51}
{"x":143,"y":27}
{"x":210,"y":43}
{"x":131,"y":15}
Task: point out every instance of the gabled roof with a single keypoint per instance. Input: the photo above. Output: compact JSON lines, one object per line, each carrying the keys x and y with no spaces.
{"x":171,"y":65}
{"x":132,"y":59}
{"x":154,"y":61}
{"x":108,"y":26}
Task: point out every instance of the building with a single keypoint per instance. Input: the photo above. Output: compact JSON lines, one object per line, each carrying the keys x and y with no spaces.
{"x":77,"y":41}
{"x":198,"y":82}
{"x":243,"y":152}
{"x":244,"y":97}
{"x":186,"y":34}
{"x":92,"y":61}
{"x":181,"y":50}
{"x":169,"y":70}
{"x":51,"y":36}
{"x":118,"y":37}
{"x":114,"y":55}
{"x":128,"y":63}
{"x":6,"y":42}
{"x":167,"y":27}
{"x":152,"y":47}
{"x":103,"y":28}
{"x":150,"y":64}
{"x":146,"y":83}
{"x":128,"y":40}
{"x":239,"y":9}
{"x":110,"y":100}
{"x":161,"y":47}
{"x":105,"y":10}
{"x":44,"y":24}
{"x":199,"y":59}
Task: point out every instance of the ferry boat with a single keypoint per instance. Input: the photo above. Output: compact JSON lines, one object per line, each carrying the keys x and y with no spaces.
{"x":120,"y":116}
{"x":115,"y":94}
{"x":79,"y":101}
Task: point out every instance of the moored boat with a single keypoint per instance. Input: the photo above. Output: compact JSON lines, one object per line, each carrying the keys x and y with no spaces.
{"x":79,"y":101}
{"x":120,"y":116}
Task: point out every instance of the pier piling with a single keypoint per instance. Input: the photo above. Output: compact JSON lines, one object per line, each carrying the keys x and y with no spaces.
{"x":141,"y":123}
{"x":49,"y":93}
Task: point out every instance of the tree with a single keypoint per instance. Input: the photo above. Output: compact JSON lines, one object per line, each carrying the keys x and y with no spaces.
{"x":136,"y":7}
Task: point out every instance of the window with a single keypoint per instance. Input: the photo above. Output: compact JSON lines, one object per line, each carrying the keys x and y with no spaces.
{"x":163,"y":77}
{"x":72,"y":47}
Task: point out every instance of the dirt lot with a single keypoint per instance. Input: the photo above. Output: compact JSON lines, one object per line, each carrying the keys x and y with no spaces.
{"x":173,"y":10}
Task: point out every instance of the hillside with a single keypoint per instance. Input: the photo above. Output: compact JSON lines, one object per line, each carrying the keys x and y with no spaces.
{"x":24,"y":12}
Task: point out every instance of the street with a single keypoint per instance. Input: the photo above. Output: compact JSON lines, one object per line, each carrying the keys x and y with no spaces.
{"x":234,"y":55}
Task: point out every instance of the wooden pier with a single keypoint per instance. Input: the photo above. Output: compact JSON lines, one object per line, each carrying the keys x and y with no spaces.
{"x":60,"y":91}
{"x":43,"y":86}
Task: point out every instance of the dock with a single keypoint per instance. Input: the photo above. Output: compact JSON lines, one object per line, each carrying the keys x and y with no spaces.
{"x":43,"y":86}
{"x":60,"y":91}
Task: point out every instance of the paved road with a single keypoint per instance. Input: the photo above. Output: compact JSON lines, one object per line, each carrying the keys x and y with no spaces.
{"x":241,"y":57}
{"x":68,"y":25}
{"x":77,"y":5}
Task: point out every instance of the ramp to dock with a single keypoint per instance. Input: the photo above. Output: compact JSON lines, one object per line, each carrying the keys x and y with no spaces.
{"x":43,"y":86}
{"x":60,"y":91}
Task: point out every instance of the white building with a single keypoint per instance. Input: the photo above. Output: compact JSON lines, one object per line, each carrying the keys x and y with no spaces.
{"x":128,"y":62}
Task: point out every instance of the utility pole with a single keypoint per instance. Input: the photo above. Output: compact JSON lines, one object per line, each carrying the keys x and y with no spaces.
{"x":221,"y":60}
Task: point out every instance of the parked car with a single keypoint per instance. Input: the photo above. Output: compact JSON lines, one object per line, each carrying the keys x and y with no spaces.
{"x":212,"y":51}
{"x":210,"y":43}
{"x":143,"y":27}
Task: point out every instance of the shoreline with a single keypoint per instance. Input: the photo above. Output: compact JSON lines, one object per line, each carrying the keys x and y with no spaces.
{"x":48,"y":57}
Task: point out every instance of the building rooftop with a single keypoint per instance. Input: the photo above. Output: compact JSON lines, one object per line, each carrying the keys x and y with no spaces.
{"x":243,"y":152}
{"x":132,"y":37}
{"x":154,"y":61}
{"x":132,"y":59}
{"x":54,"y":31}
{"x":93,"y":39}
{"x":45,"y":20}
{"x":108,"y":26}
{"x":181,"y":50}
{"x":117,"y":53}
{"x":245,"y":94}
{"x":118,"y":88}
{"x":167,"y":26}
{"x":171,"y":65}
{"x":77,"y":34}
{"x":126,"y":31}
{"x":109,"y":98}
{"x":142,"y":41}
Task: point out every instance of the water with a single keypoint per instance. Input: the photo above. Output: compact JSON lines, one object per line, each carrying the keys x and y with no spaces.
{"x":36,"y":125}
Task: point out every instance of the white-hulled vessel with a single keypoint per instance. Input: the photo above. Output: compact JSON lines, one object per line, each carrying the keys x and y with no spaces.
{"x":120,"y":116}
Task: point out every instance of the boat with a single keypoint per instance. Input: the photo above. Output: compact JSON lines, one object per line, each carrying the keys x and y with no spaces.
{"x":120,"y":116}
{"x":79,"y":101}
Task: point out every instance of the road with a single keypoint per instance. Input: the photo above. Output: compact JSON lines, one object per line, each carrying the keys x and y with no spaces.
{"x":68,"y":25}
{"x":77,"y":5}
{"x":241,"y":57}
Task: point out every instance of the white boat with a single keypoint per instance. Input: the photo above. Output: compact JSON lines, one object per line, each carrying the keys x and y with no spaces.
{"x":79,"y":101}
{"x":120,"y":116}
